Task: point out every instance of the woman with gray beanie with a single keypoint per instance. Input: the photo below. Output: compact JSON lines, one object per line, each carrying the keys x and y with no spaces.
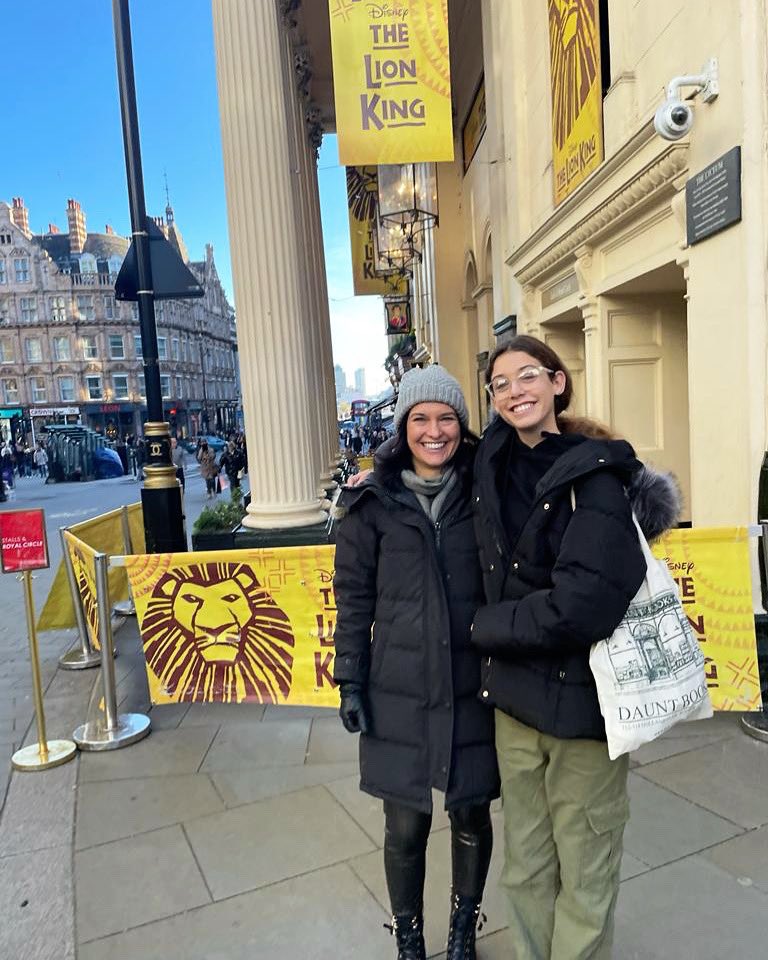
{"x":408,"y":584}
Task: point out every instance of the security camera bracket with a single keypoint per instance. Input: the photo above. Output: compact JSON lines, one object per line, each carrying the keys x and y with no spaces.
{"x":707,"y":83}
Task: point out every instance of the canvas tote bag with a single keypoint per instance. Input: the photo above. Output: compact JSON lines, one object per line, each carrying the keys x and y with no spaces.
{"x":650,"y":671}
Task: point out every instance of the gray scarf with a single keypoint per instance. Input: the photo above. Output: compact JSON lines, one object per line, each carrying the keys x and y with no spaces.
{"x":431,"y":494}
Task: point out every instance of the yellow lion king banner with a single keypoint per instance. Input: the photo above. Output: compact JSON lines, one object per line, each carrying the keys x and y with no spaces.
{"x":84,"y":566}
{"x":239,"y":626}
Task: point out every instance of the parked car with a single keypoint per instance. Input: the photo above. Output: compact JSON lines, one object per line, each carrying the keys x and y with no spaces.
{"x":215,"y":443}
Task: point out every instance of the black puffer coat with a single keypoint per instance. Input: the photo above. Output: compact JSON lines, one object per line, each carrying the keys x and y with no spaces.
{"x":418,"y":585}
{"x":567,"y":581}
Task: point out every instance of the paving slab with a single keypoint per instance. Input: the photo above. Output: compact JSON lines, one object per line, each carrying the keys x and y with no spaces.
{"x":673,"y":746}
{"x":210,"y":714}
{"x":745,"y":857}
{"x":238,"y":787}
{"x":437,"y":891}
{"x":632,"y":866}
{"x":368,"y":811}
{"x":728,"y":778}
{"x":39,"y":810}
{"x":240,"y":745}
{"x":134,"y":881}
{"x":36,"y":906}
{"x":326,"y":915}
{"x":167,"y":716}
{"x":116,"y":809}
{"x":273,"y":840}
{"x":276,"y":711}
{"x":664,"y":827}
{"x":690,"y":908}
{"x":163,"y":753}
{"x":329,"y":742}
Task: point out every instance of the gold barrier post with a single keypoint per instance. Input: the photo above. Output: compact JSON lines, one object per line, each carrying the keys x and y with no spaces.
{"x":84,"y":656}
{"x":45,"y":753}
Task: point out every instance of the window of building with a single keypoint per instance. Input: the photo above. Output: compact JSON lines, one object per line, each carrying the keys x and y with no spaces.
{"x":10,"y":391}
{"x":5,"y":238}
{"x":175,"y":348}
{"x":162,"y":348}
{"x":137,"y":346}
{"x":159,"y":311}
{"x":93,"y":388}
{"x":165,"y":386}
{"x":3,"y":275}
{"x":90,"y":346}
{"x":85,"y":307}
{"x":142,"y":386}
{"x":58,"y":309}
{"x":116,"y":346}
{"x":184,"y":350}
{"x":28,"y":307}
{"x":66,"y":388}
{"x":39,"y":390}
{"x":120,"y":385}
{"x":33,"y":350}
{"x":6,"y":351}
{"x":179,"y":389}
{"x":61,"y":348}
{"x":134,"y":311}
{"x":605,"y":47}
{"x":109,"y":308}
{"x":21,"y":269}
{"x":4,"y":311}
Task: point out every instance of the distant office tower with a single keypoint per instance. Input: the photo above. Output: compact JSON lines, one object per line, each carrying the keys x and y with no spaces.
{"x":360,"y":382}
{"x":341,"y":380}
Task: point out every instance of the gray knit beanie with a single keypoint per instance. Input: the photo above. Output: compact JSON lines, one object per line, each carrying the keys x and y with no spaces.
{"x":431,"y":384}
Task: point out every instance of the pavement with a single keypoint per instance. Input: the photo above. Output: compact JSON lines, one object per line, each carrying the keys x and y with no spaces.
{"x":237,"y":832}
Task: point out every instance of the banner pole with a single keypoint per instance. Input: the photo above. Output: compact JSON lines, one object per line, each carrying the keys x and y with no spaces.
{"x":125,"y":608}
{"x":44,"y":754}
{"x":85,"y":656}
{"x":120,"y":730}
{"x":756,"y":724}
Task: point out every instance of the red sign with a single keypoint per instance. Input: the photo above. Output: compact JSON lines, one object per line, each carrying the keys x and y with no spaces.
{"x":23,"y":544}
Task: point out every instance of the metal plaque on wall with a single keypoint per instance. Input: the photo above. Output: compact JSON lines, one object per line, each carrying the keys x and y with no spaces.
{"x":713,"y":197}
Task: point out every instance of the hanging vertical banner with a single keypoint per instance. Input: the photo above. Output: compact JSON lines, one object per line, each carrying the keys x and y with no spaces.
{"x":577,"y":101}
{"x":83,"y":560}
{"x":711,"y":569}
{"x":392,"y":81}
{"x":362,"y":195}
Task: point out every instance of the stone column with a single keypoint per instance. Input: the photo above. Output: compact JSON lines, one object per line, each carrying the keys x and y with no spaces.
{"x":262,"y":230}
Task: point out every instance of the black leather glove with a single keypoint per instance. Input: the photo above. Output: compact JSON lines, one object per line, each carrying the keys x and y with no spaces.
{"x":353,"y":711}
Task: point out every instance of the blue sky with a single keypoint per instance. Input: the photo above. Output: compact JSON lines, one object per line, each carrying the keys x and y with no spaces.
{"x":63,"y":139}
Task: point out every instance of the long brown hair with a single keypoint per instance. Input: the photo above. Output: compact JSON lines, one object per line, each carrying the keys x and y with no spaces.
{"x":547,"y":357}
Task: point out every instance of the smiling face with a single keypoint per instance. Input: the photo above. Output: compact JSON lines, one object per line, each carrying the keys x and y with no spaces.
{"x":526,"y":405}
{"x":433,"y":432}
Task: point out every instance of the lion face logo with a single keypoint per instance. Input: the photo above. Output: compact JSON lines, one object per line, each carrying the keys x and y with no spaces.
{"x":86,"y":587}
{"x":213,"y":633}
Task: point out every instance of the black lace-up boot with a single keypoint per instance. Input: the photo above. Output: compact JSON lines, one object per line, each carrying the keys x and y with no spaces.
{"x":462,"y":928}
{"x":409,"y":931}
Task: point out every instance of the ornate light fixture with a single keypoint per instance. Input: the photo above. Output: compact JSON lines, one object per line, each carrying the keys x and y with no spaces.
{"x":408,"y":197}
{"x":394,"y":251}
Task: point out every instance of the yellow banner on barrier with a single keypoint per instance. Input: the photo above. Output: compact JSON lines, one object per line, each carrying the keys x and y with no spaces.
{"x":712,"y":571}
{"x":104,"y":534}
{"x":577,"y":97}
{"x":237,"y":626}
{"x":392,"y":81}
{"x":84,"y":566}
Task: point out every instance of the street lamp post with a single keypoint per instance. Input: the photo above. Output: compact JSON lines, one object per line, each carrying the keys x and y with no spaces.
{"x":161,"y":493}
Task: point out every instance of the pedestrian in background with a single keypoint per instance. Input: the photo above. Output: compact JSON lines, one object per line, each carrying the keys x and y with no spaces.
{"x":178,"y":459}
{"x":407,"y":567}
{"x":209,"y":469}
{"x":561,"y":562}
{"x":41,"y":461}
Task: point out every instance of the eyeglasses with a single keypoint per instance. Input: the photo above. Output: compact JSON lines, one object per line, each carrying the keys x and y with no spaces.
{"x":502,"y":386}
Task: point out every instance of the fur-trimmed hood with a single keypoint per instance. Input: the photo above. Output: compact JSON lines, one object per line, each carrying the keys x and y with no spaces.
{"x":656,"y":501}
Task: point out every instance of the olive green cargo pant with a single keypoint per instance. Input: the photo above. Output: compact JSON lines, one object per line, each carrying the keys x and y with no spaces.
{"x":565,"y":807}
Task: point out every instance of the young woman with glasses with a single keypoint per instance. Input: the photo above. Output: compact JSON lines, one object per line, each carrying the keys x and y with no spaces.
{"x":553,"y":501}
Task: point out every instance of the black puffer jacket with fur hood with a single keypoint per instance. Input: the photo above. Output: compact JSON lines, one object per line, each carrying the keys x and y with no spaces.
{"x":567,"y":580}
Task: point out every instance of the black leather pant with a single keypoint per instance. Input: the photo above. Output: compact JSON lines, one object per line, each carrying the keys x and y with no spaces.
{"x":405,"y":846}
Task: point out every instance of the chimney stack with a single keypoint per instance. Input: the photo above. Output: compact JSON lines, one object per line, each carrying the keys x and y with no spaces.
{"x":109,"y":231}
{"x":53,"y":229}
{"x":20,"y":215}
{"x":77,"y":231}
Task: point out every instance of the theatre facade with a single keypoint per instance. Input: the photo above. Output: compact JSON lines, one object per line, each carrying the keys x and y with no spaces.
{"x":636,"y":249}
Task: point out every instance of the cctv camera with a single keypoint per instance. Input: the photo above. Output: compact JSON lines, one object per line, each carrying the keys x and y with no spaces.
{"x":673,"y":119}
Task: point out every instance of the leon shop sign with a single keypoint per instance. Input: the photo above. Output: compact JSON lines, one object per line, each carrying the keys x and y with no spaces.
{"x":392,"y":81}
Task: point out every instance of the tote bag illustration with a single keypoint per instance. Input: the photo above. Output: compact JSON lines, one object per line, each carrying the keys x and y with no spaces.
{"x":650,"y":671}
